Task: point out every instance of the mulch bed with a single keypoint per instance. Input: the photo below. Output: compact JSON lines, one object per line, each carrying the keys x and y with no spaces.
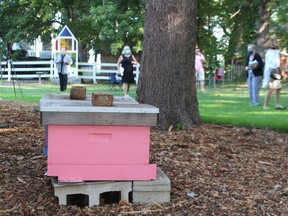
{"x":214,"y":170}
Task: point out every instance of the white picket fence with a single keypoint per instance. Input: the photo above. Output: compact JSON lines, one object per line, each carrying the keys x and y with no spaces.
{"x":17,"y":70}
{"x":101,"y":71}
{"x":87,"y":71}
{"x":47,"y":69}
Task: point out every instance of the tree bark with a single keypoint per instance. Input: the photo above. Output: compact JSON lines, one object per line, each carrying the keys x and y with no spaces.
{"x":167,"y":78}
{"x":262,"y":25}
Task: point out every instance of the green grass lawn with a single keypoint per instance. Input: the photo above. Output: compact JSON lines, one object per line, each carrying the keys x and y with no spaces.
{"x":33,"y":91}
{"x":227,"y":105}
{"x":231,"y":105}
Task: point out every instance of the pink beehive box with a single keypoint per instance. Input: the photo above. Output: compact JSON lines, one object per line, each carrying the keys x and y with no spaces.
{"x":98,"y":143}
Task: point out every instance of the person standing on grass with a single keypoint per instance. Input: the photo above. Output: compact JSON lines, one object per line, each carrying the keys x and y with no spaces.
{"x":63,"y":62}
{"x":199,"y":69}
{"x":254,"y":67}
{"x":272,"y":65}
{"x":127,"y":60}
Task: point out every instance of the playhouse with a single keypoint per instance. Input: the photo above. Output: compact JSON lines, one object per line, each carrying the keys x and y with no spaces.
{"x":67,"y":40}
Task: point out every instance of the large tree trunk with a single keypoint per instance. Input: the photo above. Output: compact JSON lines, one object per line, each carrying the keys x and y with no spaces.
{"x":167,"y":78}
{"x":262,"y":25}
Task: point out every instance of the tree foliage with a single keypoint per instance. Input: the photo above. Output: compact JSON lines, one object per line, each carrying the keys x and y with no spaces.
{"x":242,"y":22}
{"x":279,"y":21}
{"x":235,"y":19}
{"x":106,"y":25}
{"x":117,"y":23}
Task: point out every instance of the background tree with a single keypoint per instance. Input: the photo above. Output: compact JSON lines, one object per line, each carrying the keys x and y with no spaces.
{"x":116,"y":23}
{"x":243,"y":22}
{"x":235,"y":20}
{"x":104,"y":25}
{"x":279,"y":21}
{"x":207,"y":41}
{"x":167,"y":78}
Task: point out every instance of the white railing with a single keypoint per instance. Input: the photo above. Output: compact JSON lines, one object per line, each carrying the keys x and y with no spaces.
{"x":26,"y":69}
{"x":101,"y":71}
{"x":90,"y":71}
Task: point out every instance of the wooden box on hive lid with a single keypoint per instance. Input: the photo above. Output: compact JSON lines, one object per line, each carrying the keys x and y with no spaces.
{"x":102,"y":99}
{"x":78,"y":93}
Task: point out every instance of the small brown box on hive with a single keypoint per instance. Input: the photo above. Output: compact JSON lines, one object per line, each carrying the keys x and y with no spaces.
{"x":78,"y":93}
{"x":102,"y":99}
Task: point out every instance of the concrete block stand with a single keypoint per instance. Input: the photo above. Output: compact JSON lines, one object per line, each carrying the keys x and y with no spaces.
{"x":143,"y":192}
{"x":158,"y":191}
{"x":92,"y":189}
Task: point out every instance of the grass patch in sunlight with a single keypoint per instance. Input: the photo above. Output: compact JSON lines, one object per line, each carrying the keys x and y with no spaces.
{"x":232,"y":107}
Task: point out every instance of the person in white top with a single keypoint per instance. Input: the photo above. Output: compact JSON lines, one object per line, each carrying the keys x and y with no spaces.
{"x":63,"y":62}
{"x":272,"y":64}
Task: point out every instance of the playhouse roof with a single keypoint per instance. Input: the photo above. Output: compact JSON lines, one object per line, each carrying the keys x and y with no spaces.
{"x":66,"y":33}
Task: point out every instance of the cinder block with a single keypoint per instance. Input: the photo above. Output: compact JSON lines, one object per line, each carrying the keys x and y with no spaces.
{"x":92,"y":189}
{"x":158,"y":190}
{"x":146,"y":197}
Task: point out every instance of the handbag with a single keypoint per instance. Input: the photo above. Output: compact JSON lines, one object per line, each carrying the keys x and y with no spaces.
{"x":275,"y":74}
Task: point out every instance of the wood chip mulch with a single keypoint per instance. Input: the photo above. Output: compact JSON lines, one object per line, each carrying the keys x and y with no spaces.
{"x":214,"y":170}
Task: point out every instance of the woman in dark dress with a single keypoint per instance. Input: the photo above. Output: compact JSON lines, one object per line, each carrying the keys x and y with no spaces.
{"x":127,"y":60}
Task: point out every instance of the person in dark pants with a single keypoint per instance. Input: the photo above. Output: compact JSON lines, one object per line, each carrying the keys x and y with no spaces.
{"x":63,"y":62}
{"x":254,"y":67}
